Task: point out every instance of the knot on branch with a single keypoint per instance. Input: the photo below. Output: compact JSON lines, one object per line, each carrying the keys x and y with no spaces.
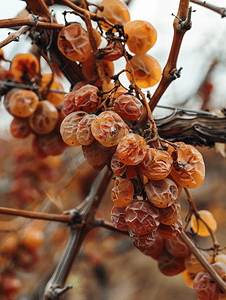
{"x":174,"y":74}
{"x":33,"y":19}
{"x":223,"y":12}
{"x":185,"y":25}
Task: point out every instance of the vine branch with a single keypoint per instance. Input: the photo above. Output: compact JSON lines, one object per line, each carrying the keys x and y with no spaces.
{"x":181,"y":24}
{"x":219,"y":10}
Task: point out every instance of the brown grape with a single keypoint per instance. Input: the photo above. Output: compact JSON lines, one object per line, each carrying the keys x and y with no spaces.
{"x":95,"y":155}
{"x":189,"y":168}
{"x":20,"y":102}
{"x":84,"y":134}
{"x":117,"y":218}
{"x":156,"y":165}
{"x":122,"y":170}
{"x":131,"y":149}
{"x":177,"y":248}
{"x":170,"y":265}
{"x":170,"y":231}
{"x":19,"y":128}
{"x":128,"y":107}
{"x":69,"y":127}
{"x":161,"y":193}
{"x":86,"y":98}
{"x":48,"y":144}
{"x":205,"y":287}
{"x":141,"y":217}
{"x":156,"y":249}
{"x":170,"y":214}
{"x":113,"y":50}
{"x":108,"y":128}
{"x":122,"y":192}
{"x":141,"y":36}
{"x":73,"y":42}
{"x":145,"y":241}
{"x":44,"y":119}
{"x":147,"y":70}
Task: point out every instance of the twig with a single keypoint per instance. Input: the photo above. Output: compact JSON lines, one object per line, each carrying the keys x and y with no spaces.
{"x":82,"y":11}
{"x":35,"y":215}
{"x":108,"y":225}
{"x":219,"y":10}
{"x":181,"y":24}
{"x":203,"y":261}
{"x":14,"y":22}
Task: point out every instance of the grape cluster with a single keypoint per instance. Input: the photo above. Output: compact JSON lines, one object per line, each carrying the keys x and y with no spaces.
{"x":35,"y":113}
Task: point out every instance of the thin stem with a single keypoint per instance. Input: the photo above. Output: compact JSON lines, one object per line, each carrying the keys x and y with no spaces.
{"x":35,"y":215}
{"x":198,"y":217}
{"x":181,"y":24}
{"x":219,"y":10}
{"x":82,"y":11}
{"x":108,"y":225}
{"x":14,"y":37}
{"x":203,"y":261}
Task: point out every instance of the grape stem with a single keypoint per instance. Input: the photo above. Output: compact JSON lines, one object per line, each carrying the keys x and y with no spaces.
{"x":194,"y":210}
{"x":181,"y":24}
{"x":219,"y":10}
{"x":153,"y":127}
{"x":203,"y":261}
{"x":108,"y":225}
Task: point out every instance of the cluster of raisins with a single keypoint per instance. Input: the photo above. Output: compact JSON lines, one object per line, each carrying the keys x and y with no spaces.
{"x":31,"y":113}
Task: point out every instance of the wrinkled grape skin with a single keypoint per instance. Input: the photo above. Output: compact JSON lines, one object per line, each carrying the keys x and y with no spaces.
{"x":24,"y":67}
{"x":84,"y":133}
{"x":189,"y":170}
{"x":115,"y":11}
{"x":145,"y":241}
{"x":204,"y":287}
{"x":177,"y":248}
{"x":128,"y":107}
{"x":156,"y":165}
{"x":73,"y":42}
{"x":86,"y":98}
{"x":156,"y":249}
{"x":117,"y":218}
{"x":122,"y":170}
{"x":170,"y":265}
{"x":131,"y":149}
{"x":122,"y":192}
{"x":44,"y":119}
{"x":141,"y":36}
{"x":113,"y":50}
{"x":170,"y":231}
{"x":141,"y":217}
{"x":108,"y":128}
{"x":20,"y":102}
{"x":69,"y":126}
{"x":147,"y":70}
{"x":162,"y":193}
{"x":169,"y":215}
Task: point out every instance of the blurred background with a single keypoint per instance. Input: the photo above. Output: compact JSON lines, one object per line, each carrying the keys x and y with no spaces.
{"x":109,"y":267}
